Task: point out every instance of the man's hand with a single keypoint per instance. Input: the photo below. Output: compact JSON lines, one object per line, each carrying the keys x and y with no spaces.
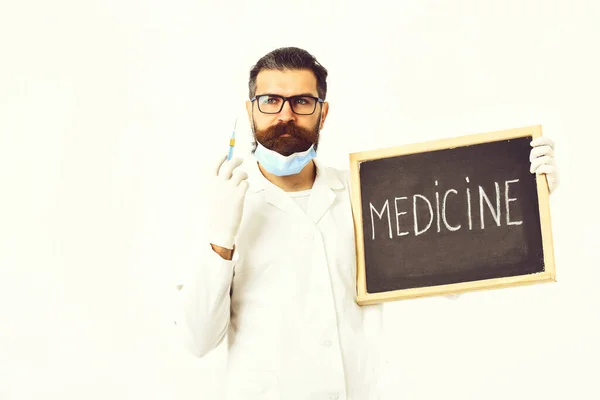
{"x":226,"y":192}
{"x":542,"y":160}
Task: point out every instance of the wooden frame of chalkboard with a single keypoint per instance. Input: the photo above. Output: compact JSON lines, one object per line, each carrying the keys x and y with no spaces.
{"x":446,"y":283}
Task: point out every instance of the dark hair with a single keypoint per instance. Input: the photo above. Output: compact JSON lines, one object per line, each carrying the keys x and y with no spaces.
{"x":289,"y":58}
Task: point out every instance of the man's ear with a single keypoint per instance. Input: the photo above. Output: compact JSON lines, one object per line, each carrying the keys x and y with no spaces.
{"x":324,"y":112}
{"x":249,"y":110}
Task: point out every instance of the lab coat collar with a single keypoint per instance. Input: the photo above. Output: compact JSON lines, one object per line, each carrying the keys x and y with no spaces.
{"x":322,"y":193}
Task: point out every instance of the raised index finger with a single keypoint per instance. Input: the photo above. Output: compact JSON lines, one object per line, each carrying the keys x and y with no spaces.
{"x":219,"y":164}
{"x":542,"y":141}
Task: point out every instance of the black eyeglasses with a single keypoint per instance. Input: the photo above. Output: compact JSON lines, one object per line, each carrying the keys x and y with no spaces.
{"x":273,"y":103}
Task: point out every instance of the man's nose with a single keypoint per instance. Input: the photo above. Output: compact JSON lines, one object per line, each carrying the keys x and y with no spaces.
{"x":286,"y":114}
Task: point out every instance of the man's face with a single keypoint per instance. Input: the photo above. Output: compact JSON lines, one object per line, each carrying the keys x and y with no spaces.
{"x":287,"y":132}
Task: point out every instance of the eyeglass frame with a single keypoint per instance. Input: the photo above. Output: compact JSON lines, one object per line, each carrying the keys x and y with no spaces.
{"x":318,"y":101}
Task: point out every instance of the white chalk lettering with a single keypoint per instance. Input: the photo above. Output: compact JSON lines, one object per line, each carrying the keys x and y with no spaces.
{"x":417,"y":231}
{"x":437,"y":207}
{"x":469,"y":205}
{"x":449,"y":212}
{"x":385,"y":207}
{"x":483,"y":196}
{"x":399,"y":214}
{"x":451,"y":228}
{"x":508,"y":200}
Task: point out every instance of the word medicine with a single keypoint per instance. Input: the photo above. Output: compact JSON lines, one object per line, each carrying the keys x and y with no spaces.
{"x":499,"y":211}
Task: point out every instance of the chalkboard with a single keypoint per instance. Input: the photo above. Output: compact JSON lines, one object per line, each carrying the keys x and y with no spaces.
{"x":450,"y":216}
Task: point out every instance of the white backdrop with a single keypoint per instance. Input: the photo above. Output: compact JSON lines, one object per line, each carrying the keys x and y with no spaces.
{"x":110,"y":111}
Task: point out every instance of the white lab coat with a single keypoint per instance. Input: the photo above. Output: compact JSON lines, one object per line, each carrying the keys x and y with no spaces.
{"x":287,"y":299}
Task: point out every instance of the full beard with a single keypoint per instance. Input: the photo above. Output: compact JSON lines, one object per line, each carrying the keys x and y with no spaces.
{"x":299,"y":139}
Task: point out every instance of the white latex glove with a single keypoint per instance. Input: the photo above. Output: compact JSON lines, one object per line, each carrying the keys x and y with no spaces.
{"x":542,"y":160}
{"x":227,"y":192}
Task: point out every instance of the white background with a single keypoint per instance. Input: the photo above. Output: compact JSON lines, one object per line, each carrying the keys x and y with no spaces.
{"x":110,"y":111}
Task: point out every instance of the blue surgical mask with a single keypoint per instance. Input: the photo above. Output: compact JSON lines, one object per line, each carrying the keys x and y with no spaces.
{"x":280,"y":165}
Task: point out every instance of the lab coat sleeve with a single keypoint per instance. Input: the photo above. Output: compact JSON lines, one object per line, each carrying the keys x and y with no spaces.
{"x":202,"y":304}
{"x":375,"y":340}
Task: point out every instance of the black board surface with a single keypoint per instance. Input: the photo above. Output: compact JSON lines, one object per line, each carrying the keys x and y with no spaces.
{"x":452,"y":215}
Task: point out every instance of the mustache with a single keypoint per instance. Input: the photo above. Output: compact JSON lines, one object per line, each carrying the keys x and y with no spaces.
{"x":297,"y":133}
